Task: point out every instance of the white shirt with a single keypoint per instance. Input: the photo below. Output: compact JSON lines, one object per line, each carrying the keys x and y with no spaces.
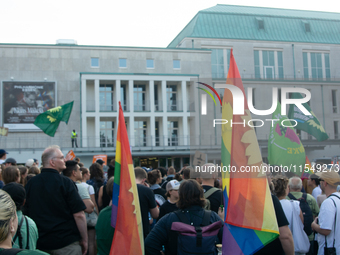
{"x":290,"y":206}
{"x":2,"y":161}
{"x":326,"y":221}
{"x":89,"y":188}
{"x":316,"y":191}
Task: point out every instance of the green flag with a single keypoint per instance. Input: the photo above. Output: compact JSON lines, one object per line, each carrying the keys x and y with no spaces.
{"x":284,"y":146}
{"x":49,"y":121}
{"x":307,"y":123}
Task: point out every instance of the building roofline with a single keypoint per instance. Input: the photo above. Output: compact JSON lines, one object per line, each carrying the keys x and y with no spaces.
{"x":102,"y":47}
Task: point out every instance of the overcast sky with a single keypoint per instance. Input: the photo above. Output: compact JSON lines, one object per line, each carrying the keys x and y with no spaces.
{"x":149,"y":23}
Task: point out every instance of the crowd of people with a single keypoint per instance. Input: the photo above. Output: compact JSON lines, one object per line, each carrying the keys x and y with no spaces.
{"x":65,"y":208}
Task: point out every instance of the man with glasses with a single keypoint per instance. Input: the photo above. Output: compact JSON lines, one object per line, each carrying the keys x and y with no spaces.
{"x":53,"y":202}
{"x":73,"y":172}
{"x":327,"y":225}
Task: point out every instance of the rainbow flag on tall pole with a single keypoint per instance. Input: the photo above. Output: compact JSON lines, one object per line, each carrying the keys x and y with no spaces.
{"x":126,"y":216}
{"x":250,"y":221}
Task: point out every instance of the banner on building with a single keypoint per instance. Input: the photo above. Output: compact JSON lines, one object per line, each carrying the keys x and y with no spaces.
{"x":22,"y":102}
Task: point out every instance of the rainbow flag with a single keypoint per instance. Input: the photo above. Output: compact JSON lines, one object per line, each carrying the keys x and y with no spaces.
{"x":308,"y":170}
{"x":250,"y":221}
{"x":126,"y":216}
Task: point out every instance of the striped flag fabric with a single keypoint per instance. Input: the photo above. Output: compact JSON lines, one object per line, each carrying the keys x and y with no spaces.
{"x":126,"y":216}
{"x":250,"y":221}
{"x":308,"y":170}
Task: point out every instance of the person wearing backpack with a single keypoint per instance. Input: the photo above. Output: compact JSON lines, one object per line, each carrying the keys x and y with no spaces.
{"x":191,"y":216}
{"x":214,"y":195}
{"x":8,"y":227}
{"x":327,"y":225}
{"x":308,"y":205}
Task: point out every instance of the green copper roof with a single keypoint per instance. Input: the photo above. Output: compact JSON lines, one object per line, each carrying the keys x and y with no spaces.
{"x":242,"y":23}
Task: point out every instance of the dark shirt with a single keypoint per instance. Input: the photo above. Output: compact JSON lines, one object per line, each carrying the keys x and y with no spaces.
{"x":146,"y":202}
{"x":275,"y":246}
{"x":162,"y":234}
{"x":51,"y":201}
{"x":216,"y":199}
{"x":105,"y":198}
{"x":166,"y":208}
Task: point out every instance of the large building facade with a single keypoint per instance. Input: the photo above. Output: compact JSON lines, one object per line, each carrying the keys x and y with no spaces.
{"x":157,"y":87}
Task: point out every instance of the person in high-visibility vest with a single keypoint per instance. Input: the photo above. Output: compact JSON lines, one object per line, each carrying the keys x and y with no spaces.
{"x":74,"y":138}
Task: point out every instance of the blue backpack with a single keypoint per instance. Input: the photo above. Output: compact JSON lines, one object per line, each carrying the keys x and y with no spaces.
{"x":196,"y":239}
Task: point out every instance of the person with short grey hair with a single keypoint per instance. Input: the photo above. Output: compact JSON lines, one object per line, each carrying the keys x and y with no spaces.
{"x":53,"y":202}
{"x":295,"y":184}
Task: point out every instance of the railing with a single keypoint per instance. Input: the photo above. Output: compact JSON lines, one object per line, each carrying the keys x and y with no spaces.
{"x":158,"y":106}
{"x":148,"y":142}
{"x":174,"y":106}
{"x":144,"y":107}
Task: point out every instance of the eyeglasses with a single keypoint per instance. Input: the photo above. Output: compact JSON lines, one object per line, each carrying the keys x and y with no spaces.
{"x":62,"y":157}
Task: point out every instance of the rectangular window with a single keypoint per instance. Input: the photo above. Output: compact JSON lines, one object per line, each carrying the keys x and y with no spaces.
{"x":106,"y":97}
{"x":219,"y":63}
{"x":107,"y":133}
{"x":268,"y":64}
{"x":172,"y":133}
{"x":336,"y":129}
{"x":122,"y":63}
{"x":123,"y":97}
{"x":157,"y":138}
{"x":139,"y":97}
{"x":140,"y":133}
{"x":94,"y":62}
{"x":171,"y":94}
{"x":176,"y":64}
{"x":316,"y":65}
{"x":150,"y":63}
{"x":334,"y":103}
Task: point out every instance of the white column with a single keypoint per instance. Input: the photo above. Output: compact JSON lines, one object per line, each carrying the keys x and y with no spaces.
{"x":96,"y":96}
{"x":132,"y":131}
{"x":97,"y":117}
{"x":117,"y":88}
{"x":117,"y":94}
{"x":84,"y":116}
{"x":152,"y":95}
{"x":165,"y":130}
{"x":152,"y":130}
{"x":164,"y":96}
{"x":185,"y":130}
{"x":131,"y":96}
{"x":184,"y":96}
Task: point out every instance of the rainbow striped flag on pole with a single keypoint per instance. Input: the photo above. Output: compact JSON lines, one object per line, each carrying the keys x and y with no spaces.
{"x":250,"y":221}
{"x":308,"y":170}
{"x":126,"y":216}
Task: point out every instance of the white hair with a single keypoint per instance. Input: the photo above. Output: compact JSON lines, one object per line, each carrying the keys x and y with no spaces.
{"x":295,"y":183}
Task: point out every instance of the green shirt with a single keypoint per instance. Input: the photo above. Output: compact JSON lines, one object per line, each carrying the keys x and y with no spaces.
{"x":33,"y":233}
{"x":29,"y":252}
{"x":312,"y":205}
{"x":104,"y":231}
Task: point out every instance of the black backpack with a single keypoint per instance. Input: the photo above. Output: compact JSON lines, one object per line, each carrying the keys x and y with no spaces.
{"x":196,"y":239}
{"x":306,"y":212}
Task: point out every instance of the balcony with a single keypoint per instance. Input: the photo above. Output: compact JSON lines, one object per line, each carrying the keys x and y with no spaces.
{"x":174,"y":106}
